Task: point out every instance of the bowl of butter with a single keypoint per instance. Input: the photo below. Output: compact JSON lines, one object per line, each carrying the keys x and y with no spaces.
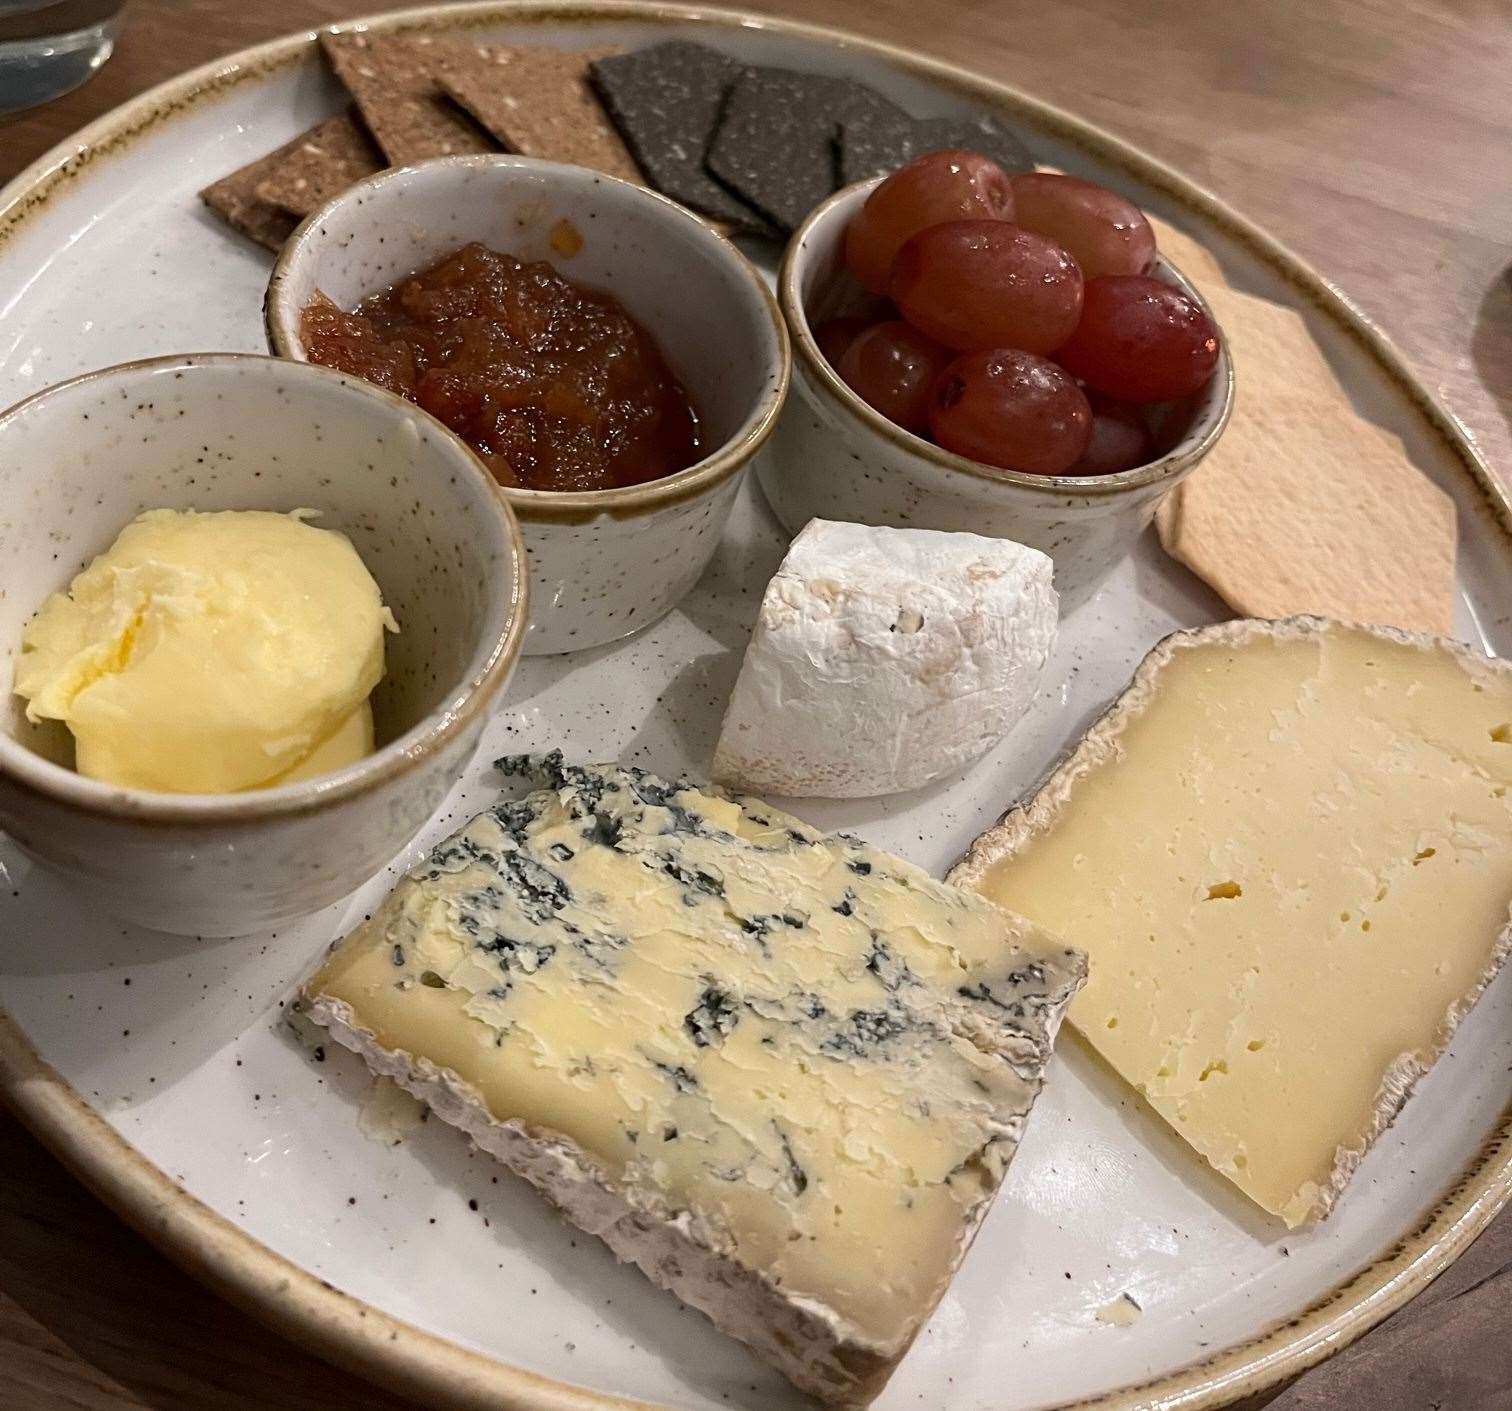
{"x":254,"y":614}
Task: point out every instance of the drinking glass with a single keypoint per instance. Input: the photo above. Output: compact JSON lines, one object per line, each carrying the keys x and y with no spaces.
{"x":50,"y":46}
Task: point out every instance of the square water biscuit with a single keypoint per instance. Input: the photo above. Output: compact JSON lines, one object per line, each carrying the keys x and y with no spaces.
{"x":392,"y":79}
{"x":538,"y":102}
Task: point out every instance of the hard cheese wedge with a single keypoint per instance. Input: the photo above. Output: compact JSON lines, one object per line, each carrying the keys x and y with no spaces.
{"x":1288,"y":852}
{"x":782,"y":1072}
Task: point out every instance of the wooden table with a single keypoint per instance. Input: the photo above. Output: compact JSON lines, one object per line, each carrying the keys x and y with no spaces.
{"x":1373,"y":136}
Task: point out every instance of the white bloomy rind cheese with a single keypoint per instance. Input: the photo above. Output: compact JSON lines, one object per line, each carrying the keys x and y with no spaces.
{"x":1287,"y":851}
{"x":781,"y":1071}
{"x":884,"y":658}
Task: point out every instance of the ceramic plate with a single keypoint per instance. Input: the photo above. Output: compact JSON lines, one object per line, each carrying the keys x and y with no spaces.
{"x":164,"y":1072}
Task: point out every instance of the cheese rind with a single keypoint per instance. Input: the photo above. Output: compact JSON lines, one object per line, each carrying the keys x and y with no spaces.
{"x":1287,"y":850}
{"x":736,"y":1049}
{"x":884,"y":658}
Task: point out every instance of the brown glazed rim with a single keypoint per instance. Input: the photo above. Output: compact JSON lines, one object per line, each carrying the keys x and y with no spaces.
{"x":1181,"y":458}
{"x":487,"y":668}
{"x":576,"y":506}
{"x":442,"y":1374}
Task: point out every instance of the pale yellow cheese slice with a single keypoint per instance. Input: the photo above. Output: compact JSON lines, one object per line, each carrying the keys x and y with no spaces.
{"x":1288,"y":853}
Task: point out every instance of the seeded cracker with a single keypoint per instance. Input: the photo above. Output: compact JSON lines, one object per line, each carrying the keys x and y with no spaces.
{"x":235,"y":200}
{"x":775,"y":143}
{"x":665,"y":102}
{"x":884,"y":142}
{"x":392,"y":80}
{"x":328,"y":159}
{"x":538,"y":102}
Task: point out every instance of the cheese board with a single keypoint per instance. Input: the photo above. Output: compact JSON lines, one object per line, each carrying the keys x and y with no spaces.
{"x":176,"y":1076}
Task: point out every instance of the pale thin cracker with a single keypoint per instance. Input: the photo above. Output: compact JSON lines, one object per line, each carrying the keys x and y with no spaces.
{"x":329,"y":159}
{"x":1168,"y":520}
{"x":1273,"y":353}
{"x":1302,"y":507}
{"x":537,"y":102}
{"x":1193,"y":259}
{"x":392,"y":79}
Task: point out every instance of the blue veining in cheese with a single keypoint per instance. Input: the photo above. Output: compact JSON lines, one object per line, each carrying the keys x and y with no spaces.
{"x":790,"y":1047}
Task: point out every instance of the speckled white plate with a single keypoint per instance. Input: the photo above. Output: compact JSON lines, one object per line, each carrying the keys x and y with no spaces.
{"x":161,"y":1069}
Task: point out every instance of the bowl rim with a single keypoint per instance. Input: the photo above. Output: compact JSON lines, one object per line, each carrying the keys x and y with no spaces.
{"x":281,"y":324}
{"x":1170,"y":466}
{"x":488,"y":666}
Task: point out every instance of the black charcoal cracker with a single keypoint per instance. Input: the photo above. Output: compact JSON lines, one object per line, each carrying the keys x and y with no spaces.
{"x":873,"y":148}
{"x":665,"y":102}
{"x":775,"y":143}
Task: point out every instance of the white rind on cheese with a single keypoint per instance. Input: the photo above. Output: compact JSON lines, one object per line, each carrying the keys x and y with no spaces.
{"x":815,"y":1349}
{"x":989,"y":865}
{"x":885,"y":658}
{"x":544,"y":981}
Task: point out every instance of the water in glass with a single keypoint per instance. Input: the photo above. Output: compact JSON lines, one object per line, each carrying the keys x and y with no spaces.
{"x":50,"y":46}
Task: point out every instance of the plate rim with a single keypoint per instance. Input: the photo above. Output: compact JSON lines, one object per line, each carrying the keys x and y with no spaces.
{"x":360,"y":1336}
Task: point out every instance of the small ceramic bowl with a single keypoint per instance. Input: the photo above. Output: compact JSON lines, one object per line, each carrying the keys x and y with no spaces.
{"x":833,"y":457}
{"x":234,"y":431}
{"x":603,"y":563}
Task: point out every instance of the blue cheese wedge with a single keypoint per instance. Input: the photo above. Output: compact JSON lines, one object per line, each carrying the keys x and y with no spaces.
{"x":747,"y":1055}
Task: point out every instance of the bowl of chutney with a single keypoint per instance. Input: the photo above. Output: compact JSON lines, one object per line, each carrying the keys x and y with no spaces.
{"x":613,"y":361}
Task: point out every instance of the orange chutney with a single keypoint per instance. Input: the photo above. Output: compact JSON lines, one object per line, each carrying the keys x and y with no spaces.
{"x":555,"y":385}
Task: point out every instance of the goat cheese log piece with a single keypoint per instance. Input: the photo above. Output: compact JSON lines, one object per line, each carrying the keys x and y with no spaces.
{"x":781,"y":1071}
{"x":885,"y":658}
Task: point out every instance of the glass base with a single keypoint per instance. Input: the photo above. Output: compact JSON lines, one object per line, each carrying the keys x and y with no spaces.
{"x":34,"y":71}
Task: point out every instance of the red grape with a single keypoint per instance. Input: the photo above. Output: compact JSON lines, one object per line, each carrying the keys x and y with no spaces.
{"x":1141,"y":340}
{"x":835,"y":335}
{"x":893,"y":367}
{"x":1007,"y":408}
{"x":987,"y":284}
{"x":1104,"y":233}
{"x":932,"y":189}
{"x":1120,"y":439}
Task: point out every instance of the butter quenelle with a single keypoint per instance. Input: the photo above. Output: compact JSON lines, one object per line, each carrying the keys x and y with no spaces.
{"x":211,"y":653}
